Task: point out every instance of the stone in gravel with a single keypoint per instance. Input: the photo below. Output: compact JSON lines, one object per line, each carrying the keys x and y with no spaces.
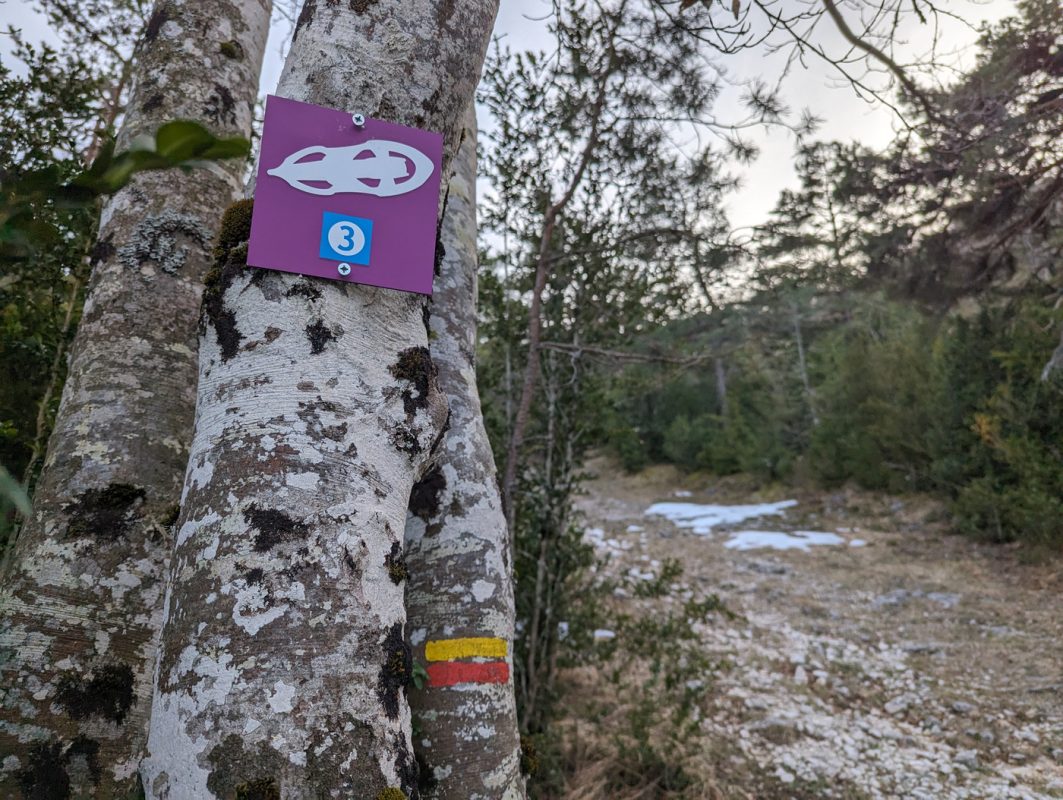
{"x":767,"y":567}
{"x":921,"y":648}
{"x":961,"y":707}
{"x":777,"y":730}
{"x":967,"y":758}
{"x":898,"y":704}
{"x":800,"y":676}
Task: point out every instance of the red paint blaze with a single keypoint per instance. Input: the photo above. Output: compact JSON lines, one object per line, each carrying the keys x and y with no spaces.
{"x":451,"y":673}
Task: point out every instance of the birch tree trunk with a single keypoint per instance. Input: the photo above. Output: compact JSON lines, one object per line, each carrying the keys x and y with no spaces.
{"x":284,"y":662}
{"x":82,"y":600}
{"x":459,"y":596}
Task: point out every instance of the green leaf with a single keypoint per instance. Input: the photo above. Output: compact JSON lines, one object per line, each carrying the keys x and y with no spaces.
{"x":182,"y":139}
{"x":419,"y":678}
{"x":235,"y":147}
{"x":13,"y":492}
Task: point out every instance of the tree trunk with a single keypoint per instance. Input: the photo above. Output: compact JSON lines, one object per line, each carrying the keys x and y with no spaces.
{"x":82,"y":600}
{"x":721,"y":386}
{"x":459,"y":595}
{"x":284,"y":661}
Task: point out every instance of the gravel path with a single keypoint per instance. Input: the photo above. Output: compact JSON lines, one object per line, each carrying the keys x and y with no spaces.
{"x":892,"y":660}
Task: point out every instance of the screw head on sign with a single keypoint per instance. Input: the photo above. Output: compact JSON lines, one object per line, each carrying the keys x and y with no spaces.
{"x":359,"y":120}
{"x":344,"y":269}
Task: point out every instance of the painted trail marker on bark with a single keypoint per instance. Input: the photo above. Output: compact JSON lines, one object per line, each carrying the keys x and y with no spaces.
{"x":445,"y":668}
{"x":346,"y":197}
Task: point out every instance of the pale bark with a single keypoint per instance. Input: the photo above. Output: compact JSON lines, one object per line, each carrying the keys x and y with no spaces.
{"x":82,"y":601}
{"x":459,"y":595}
{"x":284,"y":663}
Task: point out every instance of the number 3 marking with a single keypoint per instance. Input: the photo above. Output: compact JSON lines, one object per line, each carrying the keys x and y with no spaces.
{"x":346,"y":239}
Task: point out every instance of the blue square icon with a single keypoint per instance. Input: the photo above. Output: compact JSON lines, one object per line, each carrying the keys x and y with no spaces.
{"x":345,"y":238}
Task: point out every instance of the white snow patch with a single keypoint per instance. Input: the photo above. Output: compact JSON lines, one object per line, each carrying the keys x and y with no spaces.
{"x":635,"y":529}
{"x":702,"y":518}
{"x":857,"y":543}
{"x":281,"y":700}
{"x":682,"y":493}
{"x":602,"y":635}
{"x":777,"y":540}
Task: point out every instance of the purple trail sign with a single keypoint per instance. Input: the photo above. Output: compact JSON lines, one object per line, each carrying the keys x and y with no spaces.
{"x":347,"y":198}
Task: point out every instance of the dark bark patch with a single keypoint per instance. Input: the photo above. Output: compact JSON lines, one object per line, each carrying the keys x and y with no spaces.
{"x":396,"y":672}
{"x":159,"y":18}
{"x":426,"y":777}
{"x":244,"y":774}
{"x":441,"y":253}
{"x":230,"y":258}
{"x":271,"y":334}
{"x":315,"y":406}
{"x":306,"y":16}
{"x":406,"y":441}
{"x":395,"y":564}
{"x":170,"y":515}
{"x":45,"y":777}
{"x":304,"y":288}
{"x":320,"y":335}
{"x":406,"y":768}
{"x":103,"y":250}
{"x":274,"y":528}
{"x":335,"y":432}
{"x":108,"y":694}
{"x":153,"y":102}
{"x":106,"y":514}
{"x":221,"y":104}
{"x":232,"y":49}
{"x":327,"y":752}
{"x":426,"y":318}
{"x":416,"y":366}
{"x":446,"y":8}
{"x":361,"y":6}
{"x":260,"y":789}
{"x":424,"y":499}
{"x":254,"y":575}
{"x":87,"y":750}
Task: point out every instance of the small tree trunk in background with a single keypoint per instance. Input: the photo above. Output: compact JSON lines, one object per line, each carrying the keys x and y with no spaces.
{"x":459,"y":594}
{"x":721,"y":386}
{"x":284,"y":661}
{"x":82,"y":601}
{"x":802,"y":366}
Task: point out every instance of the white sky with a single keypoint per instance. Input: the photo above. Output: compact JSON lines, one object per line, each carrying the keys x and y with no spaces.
{"x":845,"y":116}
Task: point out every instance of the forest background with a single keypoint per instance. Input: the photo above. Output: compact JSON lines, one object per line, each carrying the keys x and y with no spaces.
{"x":888,"y":314}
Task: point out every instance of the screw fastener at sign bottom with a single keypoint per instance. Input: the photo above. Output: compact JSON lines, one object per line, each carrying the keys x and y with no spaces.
{"x":344,"y":269}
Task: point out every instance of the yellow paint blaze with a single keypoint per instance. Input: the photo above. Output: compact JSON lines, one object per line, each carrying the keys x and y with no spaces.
{"x":453,"y":649}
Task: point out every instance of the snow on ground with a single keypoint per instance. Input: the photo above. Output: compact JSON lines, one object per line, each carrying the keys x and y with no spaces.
{"x":702,"y":518}
{"x":903,"y":664}
{"x":778,"y":540}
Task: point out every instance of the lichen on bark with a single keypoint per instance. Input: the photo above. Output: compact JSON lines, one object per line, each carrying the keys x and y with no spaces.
{"x":81,"y":602}
{"x":300,"y":647}
{"x":458,"y":551}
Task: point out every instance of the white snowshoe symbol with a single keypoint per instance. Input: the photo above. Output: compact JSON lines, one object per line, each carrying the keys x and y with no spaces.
{"x":345,"y":171}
